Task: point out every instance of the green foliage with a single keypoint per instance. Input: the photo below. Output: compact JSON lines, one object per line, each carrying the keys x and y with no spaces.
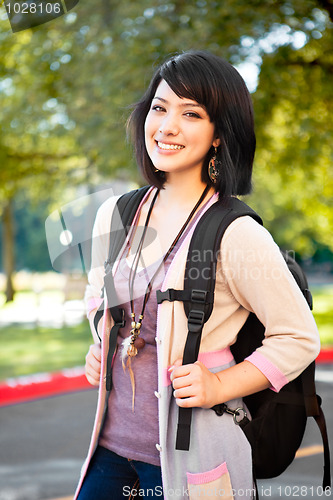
{"x":294,"y":175}
{"x":66,"y":87}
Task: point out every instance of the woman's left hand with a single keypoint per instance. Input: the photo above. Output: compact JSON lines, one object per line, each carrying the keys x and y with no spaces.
{"x":194,"y":385}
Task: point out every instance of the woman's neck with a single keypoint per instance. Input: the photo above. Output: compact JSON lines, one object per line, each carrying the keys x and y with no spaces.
{"x":182,"y":193}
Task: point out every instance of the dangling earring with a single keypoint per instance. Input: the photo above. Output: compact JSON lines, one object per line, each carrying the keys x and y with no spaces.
{"x":212,"y":168}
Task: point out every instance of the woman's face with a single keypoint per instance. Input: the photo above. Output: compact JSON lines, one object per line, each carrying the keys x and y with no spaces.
{"x":178,"y":132}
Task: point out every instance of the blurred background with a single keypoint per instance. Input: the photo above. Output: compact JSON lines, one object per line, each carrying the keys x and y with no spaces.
{"x":65,"y":93}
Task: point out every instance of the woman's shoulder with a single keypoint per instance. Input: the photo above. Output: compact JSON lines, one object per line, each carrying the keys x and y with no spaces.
{"x":108,"y":205}
{"x":246,"y":236}
{"x":248,"y":229}
{"x":104,"y":214}
{"x":108,"y":209}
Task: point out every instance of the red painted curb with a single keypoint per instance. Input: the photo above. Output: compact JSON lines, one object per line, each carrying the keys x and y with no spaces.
{"x":41,"y":385}
{"x":325,"y":356}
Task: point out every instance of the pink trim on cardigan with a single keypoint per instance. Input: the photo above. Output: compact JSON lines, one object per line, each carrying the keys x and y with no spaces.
{"x":207,"y":477}
{"x":274,"y":375}
{"x":93,"y":303}
{"x":99,"y":412}
{"x":209,"y":359}
{"x":216,"y":358}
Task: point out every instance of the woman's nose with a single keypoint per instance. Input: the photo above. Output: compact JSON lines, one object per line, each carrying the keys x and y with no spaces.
{"x":169,"y":125}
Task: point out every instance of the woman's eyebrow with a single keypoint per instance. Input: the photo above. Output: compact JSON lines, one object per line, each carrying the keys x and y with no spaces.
{"x":160,"y":99}
{"x":183,"y":104}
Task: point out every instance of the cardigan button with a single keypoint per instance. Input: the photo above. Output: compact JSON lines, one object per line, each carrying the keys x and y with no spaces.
{"x":159,"y":447}
{"x":157,"y":394}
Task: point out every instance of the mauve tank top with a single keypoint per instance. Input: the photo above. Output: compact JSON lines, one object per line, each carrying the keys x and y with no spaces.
{"x":134,"y":434}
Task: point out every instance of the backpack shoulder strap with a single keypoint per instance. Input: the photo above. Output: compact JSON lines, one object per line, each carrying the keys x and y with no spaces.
{"x":122,"y":217}
{"x":205,"y":246}
{"x":205,"y":241}
{"x":199,"y":285}
{"x":200,"y":271}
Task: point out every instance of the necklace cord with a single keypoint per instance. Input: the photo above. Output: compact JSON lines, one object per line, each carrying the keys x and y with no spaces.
{"x":133,"y":343}
{"x":136,"y":259}
{"x":133,"y":270}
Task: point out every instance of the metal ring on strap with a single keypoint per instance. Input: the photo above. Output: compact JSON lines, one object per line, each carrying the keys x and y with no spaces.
{"x":239,"y":415}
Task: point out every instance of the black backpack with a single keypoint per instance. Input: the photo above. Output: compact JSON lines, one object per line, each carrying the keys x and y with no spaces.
{"x":278,"y":420}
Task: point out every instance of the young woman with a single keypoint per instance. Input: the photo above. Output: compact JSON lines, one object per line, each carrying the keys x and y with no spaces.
{"x":194,"y":139}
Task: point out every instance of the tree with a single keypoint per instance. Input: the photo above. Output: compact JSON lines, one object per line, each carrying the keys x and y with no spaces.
{"x":65,"y":88}
{"x":35,"y":148}
{"x":291,"y":43}
{"x":294,"y":102}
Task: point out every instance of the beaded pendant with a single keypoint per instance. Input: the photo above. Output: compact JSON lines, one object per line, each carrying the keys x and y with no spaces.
{"x":130,"y":347}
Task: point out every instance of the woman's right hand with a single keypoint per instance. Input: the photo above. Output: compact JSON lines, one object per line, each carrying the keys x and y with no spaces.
{"x":93,"y":364}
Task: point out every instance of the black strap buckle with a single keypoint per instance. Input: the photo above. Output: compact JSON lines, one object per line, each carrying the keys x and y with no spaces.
{"x":195,"y":321}
{"x":161,"y":296}
{"x":199,"y":296}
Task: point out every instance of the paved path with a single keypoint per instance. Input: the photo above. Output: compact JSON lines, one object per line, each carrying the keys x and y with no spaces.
{"x":43,"y":444}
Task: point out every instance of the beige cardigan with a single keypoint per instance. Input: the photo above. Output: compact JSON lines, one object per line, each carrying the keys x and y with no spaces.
{"x":251,"y":276}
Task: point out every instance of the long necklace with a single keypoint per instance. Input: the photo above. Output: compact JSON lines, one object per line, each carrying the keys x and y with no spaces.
{"x":134,"y":342}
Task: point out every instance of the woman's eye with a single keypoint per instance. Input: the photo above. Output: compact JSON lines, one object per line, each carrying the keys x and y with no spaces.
{"x":191,"y":114}
{"x":157,"y":108}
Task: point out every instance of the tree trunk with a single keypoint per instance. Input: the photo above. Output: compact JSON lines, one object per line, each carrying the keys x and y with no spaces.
{"x":8,"y":249}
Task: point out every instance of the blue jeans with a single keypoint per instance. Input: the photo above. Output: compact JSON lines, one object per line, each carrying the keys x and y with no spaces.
{"x":111,"y":477}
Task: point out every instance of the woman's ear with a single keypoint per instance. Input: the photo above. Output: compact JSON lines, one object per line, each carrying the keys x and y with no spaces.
{"x":216,"y":142}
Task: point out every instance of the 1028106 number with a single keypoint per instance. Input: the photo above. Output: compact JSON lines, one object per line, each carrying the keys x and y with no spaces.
{"x":34,"y":8}
{"x":303,"y":491}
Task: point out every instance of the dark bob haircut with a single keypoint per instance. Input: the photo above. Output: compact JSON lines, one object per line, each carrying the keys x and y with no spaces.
{"x":215,"y":84}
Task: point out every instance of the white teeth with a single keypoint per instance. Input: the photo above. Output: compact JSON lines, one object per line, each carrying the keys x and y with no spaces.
{"x":169,"y":146}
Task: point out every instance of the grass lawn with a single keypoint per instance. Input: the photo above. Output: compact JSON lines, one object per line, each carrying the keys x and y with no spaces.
{"x":41,"y":349}
{"x":35,"y":350}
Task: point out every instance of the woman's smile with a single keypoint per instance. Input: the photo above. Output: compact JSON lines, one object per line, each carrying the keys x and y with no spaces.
{"x":177,"y":128}
{"x":169,"y":146}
